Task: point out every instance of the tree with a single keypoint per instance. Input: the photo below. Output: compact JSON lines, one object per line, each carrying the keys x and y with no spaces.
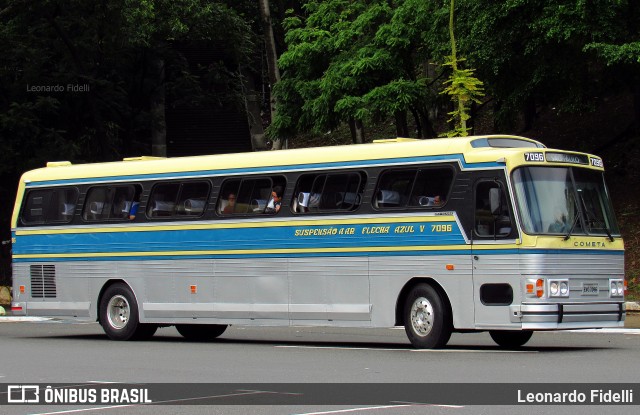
{"x":462,"y":86}
{"x":77,"y":77}
{"x":544,"y":53}
{"x":158,"y":24}
{"x":356,"y":62}
{"x":272,"y":62}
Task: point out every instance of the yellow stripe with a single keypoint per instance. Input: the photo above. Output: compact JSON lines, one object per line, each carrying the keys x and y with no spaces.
{"x":262,"y":251}
{"x":236,"y":225}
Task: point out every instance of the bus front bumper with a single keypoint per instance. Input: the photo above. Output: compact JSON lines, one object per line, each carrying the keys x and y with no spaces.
{"x":541,"y":316}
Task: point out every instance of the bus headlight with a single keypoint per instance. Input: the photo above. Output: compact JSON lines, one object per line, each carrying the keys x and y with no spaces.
{"x":564,"y":289}
{"x":558,"y":288}
{"x":616,"y":288}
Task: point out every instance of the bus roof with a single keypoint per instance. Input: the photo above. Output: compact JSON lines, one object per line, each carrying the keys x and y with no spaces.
{"x":475,"y":149}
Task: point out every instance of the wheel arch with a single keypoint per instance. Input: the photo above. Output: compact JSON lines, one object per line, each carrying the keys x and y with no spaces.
{"x":404,"y":292}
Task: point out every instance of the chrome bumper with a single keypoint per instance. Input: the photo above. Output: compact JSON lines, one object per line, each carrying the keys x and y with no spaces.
{"x":542,"y":316}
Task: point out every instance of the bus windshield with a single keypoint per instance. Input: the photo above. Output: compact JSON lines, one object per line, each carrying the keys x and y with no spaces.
{"x":563,"y":201}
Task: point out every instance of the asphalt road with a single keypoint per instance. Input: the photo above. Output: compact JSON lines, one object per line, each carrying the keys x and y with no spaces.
{"x":58,"y":352}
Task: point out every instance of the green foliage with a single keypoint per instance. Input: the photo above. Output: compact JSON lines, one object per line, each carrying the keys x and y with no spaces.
{"x":353,"y":60}
{"x":111,"y":47}
{"x":463,"y":88}
{"x":534,"y":53}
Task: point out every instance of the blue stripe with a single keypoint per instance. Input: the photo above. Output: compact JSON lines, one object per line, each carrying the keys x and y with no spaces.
{"x":269,"y":237}
{"x":346,"y":164}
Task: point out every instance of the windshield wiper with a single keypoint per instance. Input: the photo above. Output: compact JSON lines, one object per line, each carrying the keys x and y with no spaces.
{"x":591,"y":217}
{"x":575,"y":222}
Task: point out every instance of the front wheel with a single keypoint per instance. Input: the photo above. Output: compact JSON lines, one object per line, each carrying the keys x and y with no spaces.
{"x":119,"y":315}
{"x":201,"y":332}
{"x":510,"y":339}
{"x":427,"y":319}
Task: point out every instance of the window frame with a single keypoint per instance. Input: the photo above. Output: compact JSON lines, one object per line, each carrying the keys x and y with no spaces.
{"x":274,"y":180}
{"x":47,"y":207}
{"x":177,"y":200}
{"x":114,"y":188}
{"x":506,"y":207}
{"x":417,"y":171}
{"x":359,"y":193}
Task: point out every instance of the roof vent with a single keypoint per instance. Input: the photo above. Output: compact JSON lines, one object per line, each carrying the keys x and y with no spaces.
{"x":58,"y":163}
{"x":142,"y":158}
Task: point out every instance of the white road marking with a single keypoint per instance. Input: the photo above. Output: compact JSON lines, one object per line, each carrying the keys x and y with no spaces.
{"x":606,"y":331}
{"x":371,"y":408}
{"x":344,"y":411}
{"x":105,"y":382}
{"x":406,"y":350}
{"x":16,"y":319}
{"x":72,"y":411}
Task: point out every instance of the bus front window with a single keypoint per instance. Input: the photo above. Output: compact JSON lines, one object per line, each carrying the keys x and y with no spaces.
{"x":563,"y":201}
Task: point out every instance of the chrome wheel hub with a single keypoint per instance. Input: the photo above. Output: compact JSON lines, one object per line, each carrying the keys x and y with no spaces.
{"x":118,"y":311}
{"x":422,"y":316}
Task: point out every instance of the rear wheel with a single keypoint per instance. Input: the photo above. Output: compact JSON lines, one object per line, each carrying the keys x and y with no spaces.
{"x":510,"y":339}
{"x":201,"y":332}
{"x":119,"y":315}
{"x":427,"y":319}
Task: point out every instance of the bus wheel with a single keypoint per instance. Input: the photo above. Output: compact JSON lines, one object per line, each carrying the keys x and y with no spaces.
{"x":201,"y":332}
{"x":427,"y":319}
{"x":119,"y":315}
{"x":510,"y":339}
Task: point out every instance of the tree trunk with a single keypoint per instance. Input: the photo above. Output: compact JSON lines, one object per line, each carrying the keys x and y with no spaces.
{"x":427,"y":126}
{"x":357,"y":131}
{"x":272,"y":63}
{"x":158,"y":121}
{"x":636,"y":105}
{"x":402,"y":129}
{"x":254,"y":118}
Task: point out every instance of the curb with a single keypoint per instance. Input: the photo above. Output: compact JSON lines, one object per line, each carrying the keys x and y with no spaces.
{"x":16,"y":319}
{"x":632,"y":306}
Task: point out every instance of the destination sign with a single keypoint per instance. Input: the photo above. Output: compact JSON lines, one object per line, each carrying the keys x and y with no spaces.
{"x":566,"y":158}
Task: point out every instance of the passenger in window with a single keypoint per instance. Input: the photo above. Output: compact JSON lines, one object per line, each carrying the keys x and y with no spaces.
{"x":134,"y":210}
{"x":231,"y":204}
{"x":274,"y":204}
{"x":122,"y":207}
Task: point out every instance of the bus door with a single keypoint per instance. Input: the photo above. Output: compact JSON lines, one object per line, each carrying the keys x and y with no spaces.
{"x":494,"y":259}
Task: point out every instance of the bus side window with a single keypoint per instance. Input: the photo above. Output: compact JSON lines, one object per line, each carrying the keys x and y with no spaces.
{"x":322,"y":192}
{"x":49,"y":206}
{"x":193,"y":198}
{"x":414,"y":188}
{"x":110,"y":203}
{"x":250,"y":196}
{"x":492,"y":218}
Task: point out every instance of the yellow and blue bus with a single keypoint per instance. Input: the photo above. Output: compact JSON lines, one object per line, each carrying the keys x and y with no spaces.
{"x":486,"y":233}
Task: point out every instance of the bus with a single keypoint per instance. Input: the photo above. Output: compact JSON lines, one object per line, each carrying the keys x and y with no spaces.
{"x":489,"y":233}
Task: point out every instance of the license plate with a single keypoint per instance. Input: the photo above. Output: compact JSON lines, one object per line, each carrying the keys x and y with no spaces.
{"x":590,"y":289}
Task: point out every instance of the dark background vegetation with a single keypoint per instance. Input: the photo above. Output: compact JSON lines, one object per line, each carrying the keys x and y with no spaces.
{"x":566,"y":72}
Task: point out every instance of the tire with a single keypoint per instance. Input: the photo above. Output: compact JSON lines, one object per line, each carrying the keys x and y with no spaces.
{"x":119,"y":315}
{"x":427,"y":318}
{"x":201,"y":332}
{"x":510,"y":339}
